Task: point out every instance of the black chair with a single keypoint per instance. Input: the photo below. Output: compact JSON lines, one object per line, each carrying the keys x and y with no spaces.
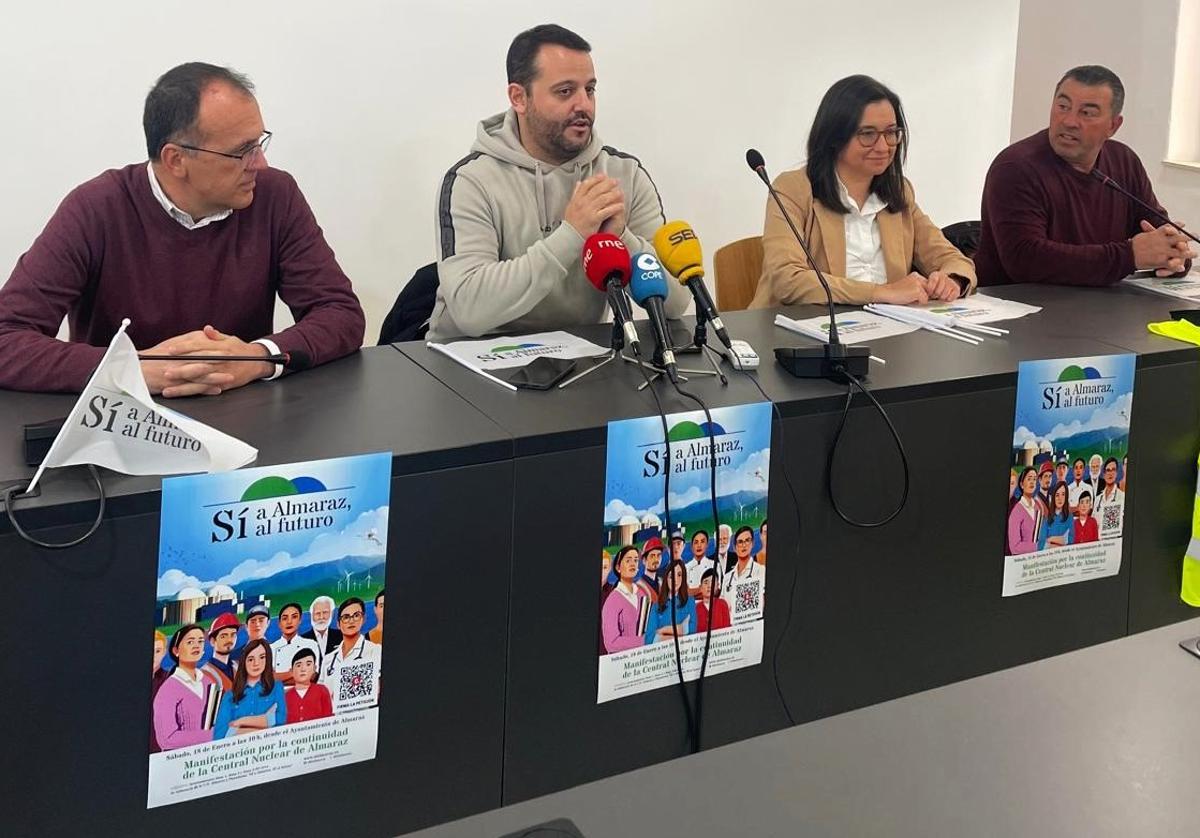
{"x":965,"y":236}
{"x":409,"y":317}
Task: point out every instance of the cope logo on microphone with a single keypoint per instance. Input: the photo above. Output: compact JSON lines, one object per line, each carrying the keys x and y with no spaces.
{"x":680,"y":236}
{"x":649,"y":267}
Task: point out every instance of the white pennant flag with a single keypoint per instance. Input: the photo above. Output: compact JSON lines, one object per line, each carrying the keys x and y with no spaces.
{"x":117,"y":425}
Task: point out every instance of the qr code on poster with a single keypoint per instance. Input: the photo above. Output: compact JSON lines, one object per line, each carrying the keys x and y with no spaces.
{"x":1110,"y":520}
{"x":747,"y":598}
{"x":357,"y":681}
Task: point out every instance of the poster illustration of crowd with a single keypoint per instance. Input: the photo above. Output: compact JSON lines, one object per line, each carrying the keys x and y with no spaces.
{"x":268,"y":624}
{"x":656,"y":584}
{"x":1069,"y":471}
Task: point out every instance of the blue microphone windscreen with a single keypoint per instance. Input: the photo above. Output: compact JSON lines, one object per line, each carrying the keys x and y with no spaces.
{"x":648,"y":279}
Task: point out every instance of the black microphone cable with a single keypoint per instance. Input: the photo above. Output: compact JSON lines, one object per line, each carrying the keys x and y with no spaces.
{"x":717,"y":562}
{"x":852,"y":382}
{"x":10,"y":495}
{"x":778,"y":457}
{"x":662,"y":415}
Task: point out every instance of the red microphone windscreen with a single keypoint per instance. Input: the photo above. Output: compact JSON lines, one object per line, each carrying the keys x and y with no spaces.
{"x":604,"y":255}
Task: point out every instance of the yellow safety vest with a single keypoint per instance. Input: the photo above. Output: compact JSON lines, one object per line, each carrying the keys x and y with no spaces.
{"x":1189,"y":590}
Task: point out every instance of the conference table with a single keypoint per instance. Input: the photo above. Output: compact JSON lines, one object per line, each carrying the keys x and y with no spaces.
{"x":497,"y":499}
{"x":77,"y":634}
{"x":1096,"y":742}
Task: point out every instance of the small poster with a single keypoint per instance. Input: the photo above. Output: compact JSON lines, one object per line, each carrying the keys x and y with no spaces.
{"x":1069,"y":471}
{"x":980,"y":308}
{"x":1181,"y":287}
{"x":506,"y":352}
{"x":666,"y":567}
{"x":268,"y":624}
{"x":852,"y":327}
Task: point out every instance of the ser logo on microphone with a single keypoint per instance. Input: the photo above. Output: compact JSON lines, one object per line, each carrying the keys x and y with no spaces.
{"x":680,"y":236}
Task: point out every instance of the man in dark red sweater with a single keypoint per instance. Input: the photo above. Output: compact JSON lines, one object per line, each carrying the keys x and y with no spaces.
{"x":1046,"y":215}
{"x":193,"y":247}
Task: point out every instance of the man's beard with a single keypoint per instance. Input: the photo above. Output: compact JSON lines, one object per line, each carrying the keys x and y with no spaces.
{"x":551,"y":135}
{"x":320,"y":626}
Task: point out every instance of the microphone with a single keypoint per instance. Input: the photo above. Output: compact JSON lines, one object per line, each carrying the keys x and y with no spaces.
{"x":834,"y":359}
{"x":1162,"y":218}
{"x":678,"y":249}
{"x":606,"y":265}
{"x":294,"y":361}
{"x":648,"y":286}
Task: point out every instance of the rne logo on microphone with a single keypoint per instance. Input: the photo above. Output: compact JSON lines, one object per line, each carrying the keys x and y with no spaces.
{"x":680,"y":236}
{"x":617,"y":243}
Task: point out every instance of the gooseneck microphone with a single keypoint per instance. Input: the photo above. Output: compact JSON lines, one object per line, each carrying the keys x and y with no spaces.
{"x":678,"y":249}
{"x":1154,"y":211}
{"x":648,"y":287}
{"x":291,"y":360}
{"x":606,"y":265}
{"x":834,"y":358}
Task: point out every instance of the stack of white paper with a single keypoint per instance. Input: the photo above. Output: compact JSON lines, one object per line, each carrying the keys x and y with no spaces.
{"x":1180,"y":287}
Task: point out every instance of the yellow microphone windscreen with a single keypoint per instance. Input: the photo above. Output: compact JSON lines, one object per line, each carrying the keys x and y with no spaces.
{"x":679,"y":250}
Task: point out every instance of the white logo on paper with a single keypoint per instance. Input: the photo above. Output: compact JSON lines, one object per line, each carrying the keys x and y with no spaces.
{"x":647,"y":262}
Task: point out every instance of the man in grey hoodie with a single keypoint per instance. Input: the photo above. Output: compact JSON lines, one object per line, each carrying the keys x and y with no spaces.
{"x":514,"y":213}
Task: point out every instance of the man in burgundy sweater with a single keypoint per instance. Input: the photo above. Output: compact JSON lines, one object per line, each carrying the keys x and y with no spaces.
{"x":1048,"y":217}
{"x":192,"y":247}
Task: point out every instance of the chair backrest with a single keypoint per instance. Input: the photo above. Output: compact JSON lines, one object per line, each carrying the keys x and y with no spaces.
{"x":965,"y":236}
{"x":409,"y":317}
{"x":738,"y":266}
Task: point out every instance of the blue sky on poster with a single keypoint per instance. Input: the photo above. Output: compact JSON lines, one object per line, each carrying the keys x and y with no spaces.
{"x":631,"y":492}
{"x":189,"y":557}
{"x":1035,"y":420}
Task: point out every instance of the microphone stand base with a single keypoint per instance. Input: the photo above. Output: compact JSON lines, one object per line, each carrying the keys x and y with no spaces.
{"x":612,"y":354}
{"x":829,"y":361}
{"x":711,"y":355}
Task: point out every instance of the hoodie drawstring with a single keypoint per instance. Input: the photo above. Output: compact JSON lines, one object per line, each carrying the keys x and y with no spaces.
{"x":539,"y":196}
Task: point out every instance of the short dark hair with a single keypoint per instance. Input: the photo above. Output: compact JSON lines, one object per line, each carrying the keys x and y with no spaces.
{"x":173,"y":104}
{"x":699,"y":533}
{"x":296,"y":605}
{"x":741,"y":530}
{"x":378,"y":596}
{"x":181,"y":633}
{"x":303,"y":653}
{"x":521,"y":61}
{"x":1093,"y":75}
{"x":346,"y":603}
{"x":835,"y":124}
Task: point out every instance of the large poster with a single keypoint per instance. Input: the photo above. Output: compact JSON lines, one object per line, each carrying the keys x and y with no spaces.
{"x":268,"y":621}
{"x":1069,"y":471}
{"x":659,"y":584}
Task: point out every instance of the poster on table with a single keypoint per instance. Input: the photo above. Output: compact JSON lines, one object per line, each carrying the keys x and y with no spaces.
{"x":660,"y":584}
{"x":268,"y":624}
{"x":1069,"y":471}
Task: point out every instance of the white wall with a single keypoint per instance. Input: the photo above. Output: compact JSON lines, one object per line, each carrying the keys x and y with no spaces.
{"x":372,"y":101}
{"x":1134,"y":40}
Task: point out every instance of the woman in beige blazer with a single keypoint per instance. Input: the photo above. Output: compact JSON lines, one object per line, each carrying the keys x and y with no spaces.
{"x":858,"y":213}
